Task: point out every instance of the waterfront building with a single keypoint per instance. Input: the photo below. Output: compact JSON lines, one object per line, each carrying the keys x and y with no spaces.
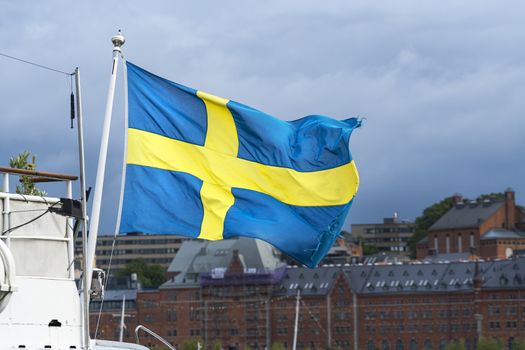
{"x":390,"y":236}
{"x":489,"y":228}
{"x":152,"y":248}
{"x":238,"y":294}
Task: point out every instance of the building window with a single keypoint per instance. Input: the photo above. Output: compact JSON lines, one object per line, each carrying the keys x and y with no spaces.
{"x":282,"y":331}
{"x":511,"y":310}
{"x":194,"y":315}
{"x":371,"y":345}
{"x":511,"y":324}
{"x":384,"y":345}
{"x":172,"y":315}
{"x":399,"y":345}
{"x":494,"y":325}
{"x":494,"y":310}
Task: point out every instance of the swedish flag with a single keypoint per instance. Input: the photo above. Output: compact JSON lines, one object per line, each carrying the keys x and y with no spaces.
{"x":206,"y":167}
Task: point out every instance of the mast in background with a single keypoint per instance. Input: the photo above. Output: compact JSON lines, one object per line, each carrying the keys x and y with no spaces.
{"x":122,"y":315}
{"x":82,"y":224}
{"x":296,"y":325}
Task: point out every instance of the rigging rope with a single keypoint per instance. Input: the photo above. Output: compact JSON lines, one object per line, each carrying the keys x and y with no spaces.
{"x":35,"y":64}
{"x":105,"y":285}
{"x":30,"y":221}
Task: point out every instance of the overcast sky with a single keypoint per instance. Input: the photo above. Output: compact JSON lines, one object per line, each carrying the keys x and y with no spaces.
{"x":441,"y":85}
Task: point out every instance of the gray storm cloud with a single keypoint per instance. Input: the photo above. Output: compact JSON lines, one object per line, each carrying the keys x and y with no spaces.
{"x":440,"y":85}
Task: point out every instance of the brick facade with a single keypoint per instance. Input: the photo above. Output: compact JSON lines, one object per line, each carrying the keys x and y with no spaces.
{"x":410,"y":306}
{"x":463,"y":229}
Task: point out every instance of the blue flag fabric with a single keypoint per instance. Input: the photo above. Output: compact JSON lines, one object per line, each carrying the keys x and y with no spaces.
{"x":206,"y":167}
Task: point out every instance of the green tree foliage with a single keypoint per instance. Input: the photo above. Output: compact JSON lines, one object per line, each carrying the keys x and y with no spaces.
{"x":216,"y":345}
{"x":519,"y":344}
{"x":278,"y":346}
{"x":27,"y":186}
{"x":150,"y":276}
{"x":191,"y":344}
{"x":489,"y":344}
{"x":430,"y":215}
{"x":368,"y":249}
{"x":492,"y":196}
{"x":496,"y":196}
{"x":455,"y":345}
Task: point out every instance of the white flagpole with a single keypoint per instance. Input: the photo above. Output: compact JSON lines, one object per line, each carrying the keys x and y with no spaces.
{"x":124,"y":158}
{"x":118,"y":40}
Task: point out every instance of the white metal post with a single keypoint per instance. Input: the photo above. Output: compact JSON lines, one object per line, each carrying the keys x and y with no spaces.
{"x":122,"y":315}
{"x":296,"y":327}
{"x":7,"y":210}
{"x":85,"y":277}
{"x":69,"y":233}
{"x":118,"y":40}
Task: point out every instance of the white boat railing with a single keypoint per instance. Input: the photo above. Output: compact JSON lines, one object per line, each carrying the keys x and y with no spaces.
{"x":37,"y":176}
{"x":155,"y":335}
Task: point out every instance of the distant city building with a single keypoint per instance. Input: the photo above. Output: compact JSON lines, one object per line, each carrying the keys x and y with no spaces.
{"x":344,"y":251}
{"x":490,"y":228}
{"x":207,"y":278}
{"x":237,"y":293}
{"x":153,"y":248}
{"x":111,"y":314}
{"x":391,"y":235}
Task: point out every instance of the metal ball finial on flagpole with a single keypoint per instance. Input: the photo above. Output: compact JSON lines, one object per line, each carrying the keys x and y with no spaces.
{"x":118,"y":40}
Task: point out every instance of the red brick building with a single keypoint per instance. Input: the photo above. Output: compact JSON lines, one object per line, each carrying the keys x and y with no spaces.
{"x":111,"y":314}
{"x":399,"y":306}
{"x":490,"y":228}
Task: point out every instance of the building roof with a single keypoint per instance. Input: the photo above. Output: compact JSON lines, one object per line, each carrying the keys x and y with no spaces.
{"x":497,"y":233}
{"x":504,"y":273}
{"x":447,"y":257}
{"x":466,"y":215}
{"x":310,"y":281}
{"x":198,"y":257}
{"x":384,"y":258}
{"x":118,"y":294}
{"x":427,"y":277}
{"x":412,"y":278}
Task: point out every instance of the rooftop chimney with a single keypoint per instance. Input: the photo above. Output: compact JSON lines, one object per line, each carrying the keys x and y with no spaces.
{"x":457,"y":198}
{"x":510,"y":209}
